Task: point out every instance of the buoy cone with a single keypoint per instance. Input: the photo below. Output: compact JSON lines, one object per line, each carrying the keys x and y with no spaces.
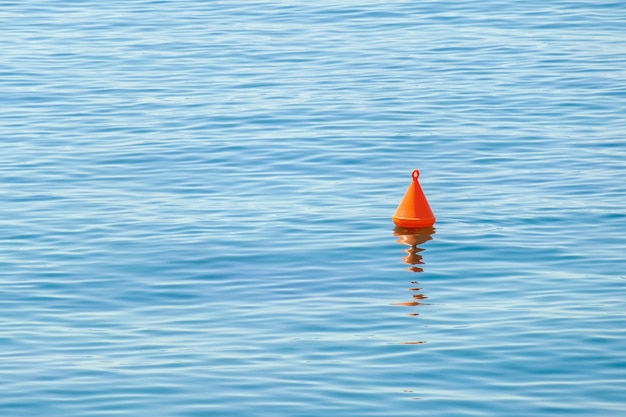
{"x":413,"y":212}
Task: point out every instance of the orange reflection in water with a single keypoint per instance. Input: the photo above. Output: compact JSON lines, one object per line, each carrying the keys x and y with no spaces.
{"x":413,"y":239}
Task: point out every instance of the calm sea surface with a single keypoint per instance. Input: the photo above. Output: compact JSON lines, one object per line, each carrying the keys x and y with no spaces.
{"x":196,"y":201}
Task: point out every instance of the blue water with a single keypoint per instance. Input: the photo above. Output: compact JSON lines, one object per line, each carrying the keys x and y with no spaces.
{"x":196,"y":201}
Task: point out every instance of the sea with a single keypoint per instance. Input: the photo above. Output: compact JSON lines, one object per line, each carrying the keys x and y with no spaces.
{"x":196,"y":201}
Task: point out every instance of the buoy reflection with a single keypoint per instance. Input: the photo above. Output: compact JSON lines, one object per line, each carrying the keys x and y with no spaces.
{"x":413,"y":238}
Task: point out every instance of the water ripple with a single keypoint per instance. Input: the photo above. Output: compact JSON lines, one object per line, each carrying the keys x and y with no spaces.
{"x":197,"y":198}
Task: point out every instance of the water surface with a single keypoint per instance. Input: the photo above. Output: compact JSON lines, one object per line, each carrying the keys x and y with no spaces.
{"x":197,"y":196}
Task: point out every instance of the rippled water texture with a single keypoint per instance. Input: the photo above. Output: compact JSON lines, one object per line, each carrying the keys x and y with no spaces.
{"x":196,"y":202}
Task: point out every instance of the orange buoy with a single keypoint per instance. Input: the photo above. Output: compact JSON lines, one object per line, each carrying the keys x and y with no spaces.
{"x":413,"y":212}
